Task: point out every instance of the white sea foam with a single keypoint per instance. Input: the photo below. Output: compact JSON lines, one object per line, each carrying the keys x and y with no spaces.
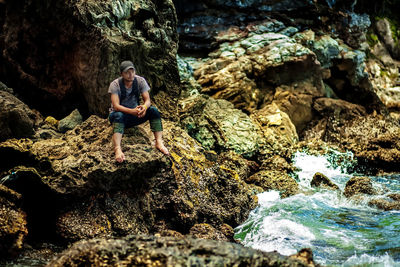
{"x":367,"y":260}
{"x":308,"y":165}
{"x":279,"y":234}
{"x":332,"y":225}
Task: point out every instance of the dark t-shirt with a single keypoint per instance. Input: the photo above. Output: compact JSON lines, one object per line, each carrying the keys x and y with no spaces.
{"x":129,"y":102}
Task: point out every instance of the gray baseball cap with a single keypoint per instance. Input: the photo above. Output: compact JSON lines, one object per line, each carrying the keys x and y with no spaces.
{"x":126,"y":65}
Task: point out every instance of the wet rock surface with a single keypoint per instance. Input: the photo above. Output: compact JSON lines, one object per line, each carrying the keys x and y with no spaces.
{"x":320,"y":180}
{"x":359,"y":185}
{"x":150,"y":250}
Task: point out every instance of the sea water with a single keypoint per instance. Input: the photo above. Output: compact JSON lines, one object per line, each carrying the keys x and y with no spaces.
{"x":339,"y":232}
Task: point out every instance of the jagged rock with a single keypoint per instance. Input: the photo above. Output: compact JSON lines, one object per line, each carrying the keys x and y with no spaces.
{"x":236,"y":162}
{"x":75,"y":64}
{"x":217,"y":125}
{"x":17,"y":120}
{"x":374,"y":141}
{"x":244,"y":72}
{"x":70,"y":122}
{"x":275,"y":180}
{"x":99,"y":197}
{"x":385,"y":204}
{"x":201,"y":181}
{"x":13,"y":225}
{"x":359,"y":185}
{"x":167,"y":251}
{"x":320,"y":180}
{"x":40,"y":202}
{"x":348,"y":79}
{"x":278,"y":132}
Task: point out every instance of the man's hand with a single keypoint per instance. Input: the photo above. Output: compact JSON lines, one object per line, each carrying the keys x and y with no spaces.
{"x":142,"y":111}
{"x":134,"y":111}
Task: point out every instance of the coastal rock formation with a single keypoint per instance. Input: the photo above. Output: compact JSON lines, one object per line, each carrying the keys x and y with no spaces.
{"x":13,"y":225}
{"x":167,"y":251}
{"x":245,"y":72}
{"x":91,"y":195}
{"x":359,"y":185}
{"x":68,"y":53}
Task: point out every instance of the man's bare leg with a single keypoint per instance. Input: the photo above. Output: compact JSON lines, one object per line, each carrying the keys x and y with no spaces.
{"x":119,"y":156}
{"x":160,"y":143}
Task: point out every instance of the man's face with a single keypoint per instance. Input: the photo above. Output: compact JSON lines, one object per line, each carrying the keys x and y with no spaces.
{"x":128,"y":75}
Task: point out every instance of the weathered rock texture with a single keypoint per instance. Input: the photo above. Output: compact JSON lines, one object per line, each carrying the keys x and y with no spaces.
{"x":359,"y":185}
{"x":217,"y":125}
{"x":167,"y":251}
{"x":94,"y":196}
{"x":13,"y":229}
{"x":69,"y":52}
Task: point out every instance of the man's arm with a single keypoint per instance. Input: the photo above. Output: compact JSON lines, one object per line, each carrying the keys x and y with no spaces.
{"x":118,"y":107}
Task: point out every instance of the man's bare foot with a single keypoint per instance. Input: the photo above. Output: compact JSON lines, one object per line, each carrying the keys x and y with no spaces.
{"x":119,"y":156}
{"x":160,"y":146}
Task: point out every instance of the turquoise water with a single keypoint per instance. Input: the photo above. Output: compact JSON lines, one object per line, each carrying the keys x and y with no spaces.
{"x":339,"y":232}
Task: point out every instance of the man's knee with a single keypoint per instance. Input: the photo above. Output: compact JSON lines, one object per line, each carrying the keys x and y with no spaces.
{"x":153,"y":113}
{"x":116,"y":116}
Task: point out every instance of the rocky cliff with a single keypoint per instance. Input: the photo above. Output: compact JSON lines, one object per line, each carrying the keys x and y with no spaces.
{"x":251,"y":83}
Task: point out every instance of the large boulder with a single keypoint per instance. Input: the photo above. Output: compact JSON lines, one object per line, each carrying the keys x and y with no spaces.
{"x":322,"y":181}
{"x":359,"y":185}
{"x":75,"y":49}
{"x":217,"y":125}
{"x":167,"y":251}
{"x":277,"y":130}
{"x":91,"y":195}
{"x":17,"y":120}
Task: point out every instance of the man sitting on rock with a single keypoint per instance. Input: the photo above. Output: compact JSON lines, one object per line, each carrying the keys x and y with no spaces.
{"x":125,"y":111}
